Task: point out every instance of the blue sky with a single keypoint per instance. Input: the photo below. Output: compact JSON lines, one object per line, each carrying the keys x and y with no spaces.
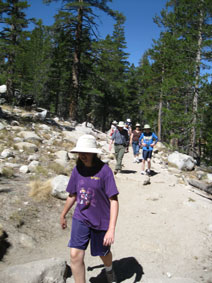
{"x":139,"y":26}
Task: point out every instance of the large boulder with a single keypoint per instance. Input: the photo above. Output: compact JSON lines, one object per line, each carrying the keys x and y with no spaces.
{"x":26,"y":145}
{"x":42,"y":271}
{"x":7,"y":153}
{"x":3,"y":88}
{"x":59,"y":185}
{"x":29,"y":136}
{"x":181,"y":161}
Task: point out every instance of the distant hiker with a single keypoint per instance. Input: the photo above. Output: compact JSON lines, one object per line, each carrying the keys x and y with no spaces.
{"x":134,"y":141}
{"x":128,"y":127}
{"x":120,"y":138}
{"x":93,"y":187}
{"x":113,"y":127}
{"x":147,"y":140}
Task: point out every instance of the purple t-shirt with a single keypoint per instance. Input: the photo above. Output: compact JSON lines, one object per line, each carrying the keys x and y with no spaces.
{"x":93,"y":193}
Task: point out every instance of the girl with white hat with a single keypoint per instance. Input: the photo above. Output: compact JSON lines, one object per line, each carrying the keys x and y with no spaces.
{"x":93,"y":187}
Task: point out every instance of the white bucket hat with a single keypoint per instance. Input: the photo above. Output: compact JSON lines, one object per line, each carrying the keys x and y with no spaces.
{"x":114,"y":122}
{"x":121,"y":124}
{"x":129,"y":120}
{"x":137,"y":125}
{"x":86,"y":143}
{"x":147,"y":127}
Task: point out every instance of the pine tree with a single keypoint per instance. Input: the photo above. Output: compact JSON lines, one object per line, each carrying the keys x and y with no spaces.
{"x":188,"y":23}
{"x":82,"y":18}
{"x":13,"y":22}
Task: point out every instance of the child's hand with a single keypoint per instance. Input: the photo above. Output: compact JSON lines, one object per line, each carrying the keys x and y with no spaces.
{"x":63,"y":222}
{"x":109,"y":238}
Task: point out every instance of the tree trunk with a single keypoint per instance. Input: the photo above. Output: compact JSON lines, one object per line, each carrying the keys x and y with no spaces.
{"x":75,"y":92}
{"x":196,"y":86}
{"x":160,"y":107}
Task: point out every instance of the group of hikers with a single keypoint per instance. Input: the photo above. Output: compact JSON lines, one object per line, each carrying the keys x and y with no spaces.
{"x":93,"y":188}
{"x":122,"y":136}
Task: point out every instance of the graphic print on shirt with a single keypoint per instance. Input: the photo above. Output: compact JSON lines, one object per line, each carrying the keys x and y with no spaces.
{"x":147,"y":139}
{"x":86,"y":196}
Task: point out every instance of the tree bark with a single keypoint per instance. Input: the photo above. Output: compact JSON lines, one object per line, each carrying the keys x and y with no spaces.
{"x":160,"y":107}
{"x":196,"y":86}
{"x":75,"y":92}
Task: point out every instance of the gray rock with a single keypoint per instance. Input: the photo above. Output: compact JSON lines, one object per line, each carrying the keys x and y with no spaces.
{"x":62,"y":154}
{"x":88,"y":125}
{"x":41,"y":115}
{"x":12,"y":165}
{"x":17,"y":139}
{"x":24,"y":169}
{"x":44,"y":127}
{"x":84,"y":130}
{"x":72,"y":136}
{"x":29,"y":136}
{"x":26,"y":145}
{"x":181,"y":161}
{"x":3,"y":88}
{"x":146,"y":181}
{"x":33,"y":157}
{"x":33,"y":165}
{"x":15,"y":123}
{"x":61,"y":162}
{"x":1,"y":126}
{"x":26,"y":241}
{"x":71,"y":156}
{"x":209,"y":176}
{"x":42,"y":271}
{"x":59,"y":185}
{"x":7,"y":153}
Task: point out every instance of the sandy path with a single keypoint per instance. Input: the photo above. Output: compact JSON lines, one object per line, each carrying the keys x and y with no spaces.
{"x":163,"y":231}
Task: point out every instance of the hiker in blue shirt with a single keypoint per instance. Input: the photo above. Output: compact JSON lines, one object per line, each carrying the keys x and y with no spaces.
{"x":147,"y":140}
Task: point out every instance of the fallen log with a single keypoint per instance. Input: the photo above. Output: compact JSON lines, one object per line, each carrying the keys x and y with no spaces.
{"x":201,"y":185}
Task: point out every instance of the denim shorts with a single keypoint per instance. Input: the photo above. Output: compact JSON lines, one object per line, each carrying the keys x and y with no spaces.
{"x":136,"y":148}
{"x":81,"y":235}
{"x":147,"y":154}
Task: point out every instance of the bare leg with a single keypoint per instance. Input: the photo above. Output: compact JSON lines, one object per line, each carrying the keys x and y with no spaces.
{"x":149,"y":163}
{"x":77,"y":265}
{"x":107,"y":260}
{"x":143,"y":165}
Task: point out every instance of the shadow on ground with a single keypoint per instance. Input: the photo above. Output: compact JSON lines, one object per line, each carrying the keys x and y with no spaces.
{"x":128,"y":171}
{"x":4,"y":244}
{"x":152,"y":173}
{"x":125,"y":268}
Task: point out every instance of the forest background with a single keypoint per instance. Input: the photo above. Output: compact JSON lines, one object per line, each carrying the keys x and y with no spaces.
{"x":67,"y":69}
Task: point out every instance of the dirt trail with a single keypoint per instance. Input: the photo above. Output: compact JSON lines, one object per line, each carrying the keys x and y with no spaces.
{"x":164,"y":232}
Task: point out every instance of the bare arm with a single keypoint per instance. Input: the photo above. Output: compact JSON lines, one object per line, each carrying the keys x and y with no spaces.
{"x":68,"y":205}
{"x":131,"y":138}
{"x":110,"y":234}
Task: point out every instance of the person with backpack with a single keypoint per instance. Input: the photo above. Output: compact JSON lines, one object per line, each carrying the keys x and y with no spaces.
{"x":120,"y":138}
{"x":92,"y":187}
{"x":147,"y":140}
{"x":128,"y":128}
{"x":134,"y":141}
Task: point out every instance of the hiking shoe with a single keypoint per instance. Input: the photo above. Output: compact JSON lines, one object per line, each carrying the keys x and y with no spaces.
{"x":115,"y":172}
{"x":143,"y":172}
{"x":111,"y":276}
{"x":148,"y":171}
